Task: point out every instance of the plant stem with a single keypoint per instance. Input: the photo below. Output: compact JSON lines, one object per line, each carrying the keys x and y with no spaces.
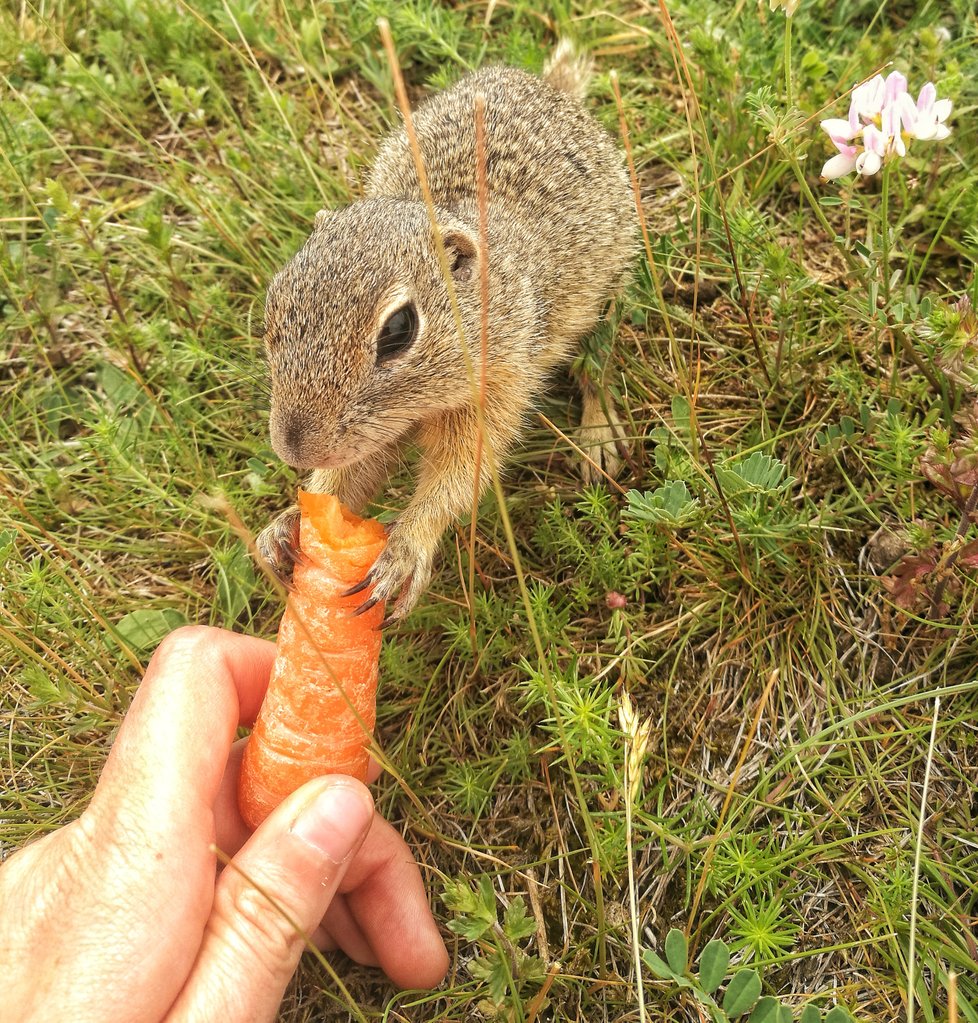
{"x":912,"y":951}
{"x":885,"y":233}
{"x":632,"y":893}
{"x":819,"y":212}
{"x":885,"y":270}
{"x":787,"y":62}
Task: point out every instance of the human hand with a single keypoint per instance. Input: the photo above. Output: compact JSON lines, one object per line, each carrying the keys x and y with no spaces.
{"x":126,"y":915}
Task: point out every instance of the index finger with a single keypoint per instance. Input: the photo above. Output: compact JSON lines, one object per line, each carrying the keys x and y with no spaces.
{"x":166,"y":764}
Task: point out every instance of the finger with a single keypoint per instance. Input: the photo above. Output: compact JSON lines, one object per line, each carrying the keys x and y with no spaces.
{"x":230,"y":828}
{"x":271,"y":897}
{"x":168,"y":760}
{"x":374,"y":769}
{"x":386,"y":897}
{"x":340,"y":928}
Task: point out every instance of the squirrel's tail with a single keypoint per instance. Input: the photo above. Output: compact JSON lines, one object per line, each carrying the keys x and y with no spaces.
{"x":569,"y":70}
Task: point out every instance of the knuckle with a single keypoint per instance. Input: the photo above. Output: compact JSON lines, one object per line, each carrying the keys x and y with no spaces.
{"x":185,"y":642}
{"x":259,"y":928}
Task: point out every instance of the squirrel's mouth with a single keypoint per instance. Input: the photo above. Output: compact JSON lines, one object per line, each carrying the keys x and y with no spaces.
{"x":305,"y":448}
{"x":322,"y":463}
{"x":311,"y":461}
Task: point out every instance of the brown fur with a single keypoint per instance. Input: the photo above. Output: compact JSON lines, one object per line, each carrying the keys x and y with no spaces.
{"x":561,"y":235}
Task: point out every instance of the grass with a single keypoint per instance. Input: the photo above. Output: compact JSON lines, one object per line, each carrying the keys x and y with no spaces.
{"x":785,"y":594}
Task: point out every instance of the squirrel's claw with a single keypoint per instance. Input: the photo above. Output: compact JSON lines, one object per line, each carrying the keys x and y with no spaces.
{"x":278,"y":545}
{"x":403,"y":569}
{"x":364,"y":607}
{"x":360,"y":587}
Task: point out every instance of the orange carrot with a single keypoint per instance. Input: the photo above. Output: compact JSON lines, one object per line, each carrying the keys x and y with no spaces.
{"x":321,"y":704}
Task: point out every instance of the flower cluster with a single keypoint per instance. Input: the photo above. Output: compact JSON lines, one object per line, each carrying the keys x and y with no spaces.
{"x":883,"y":119}
{"x":790,"y":6}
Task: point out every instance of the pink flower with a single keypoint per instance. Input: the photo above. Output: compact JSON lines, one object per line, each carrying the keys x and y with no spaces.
{"x":897,"y":122}
{"x":866,"y":102}
{"x":845,"y":161}
{"x":895,"y":87}
{"x":869,"y":161}
{"x":931,"y":115}
{"x":882,"y":121}
{"x":838,"y":129}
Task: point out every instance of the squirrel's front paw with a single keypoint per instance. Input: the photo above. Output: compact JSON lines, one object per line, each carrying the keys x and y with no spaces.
{"x":403,"y":568}
{"x":278,"y":544}
{"x":601,"y":439}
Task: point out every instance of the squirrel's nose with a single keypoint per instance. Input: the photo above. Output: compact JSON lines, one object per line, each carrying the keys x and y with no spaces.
{"x":301,"y":445}
{"x":293,"y":435}
{"x":287,"y":437}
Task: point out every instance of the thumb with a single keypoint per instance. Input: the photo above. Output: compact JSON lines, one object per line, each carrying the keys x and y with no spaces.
{"x":270,"y":897}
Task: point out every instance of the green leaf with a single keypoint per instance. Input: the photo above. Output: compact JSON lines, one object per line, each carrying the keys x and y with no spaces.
{"x":532,"y":969}
{"x":310,"y":34}
{"x":458,"y":896}
{"x":60,"y":405}
{"x":810,"y":1014}
{"x":758,"y":474}
{"x":681,"y":414}
{"x":767,"y":1010}
{"x":742,"y":992}
{"x":668,"y":505}
{"x":40,"y":685}
{"x":838,"y":1015}
{"x":471,"y":927}
{"x":235,"y":582}
{"x":494,"y":972}
{"x":7,"y":538}
{"x":476,"y":909}
{"x":487,"y":899}
{"x":142,"y":630}
{"x":120,"y":389}
{"x":677,"y":950}
{"x":714,"y":960}
{"x":516,"y":924}
{"x":58,"y":197}
{"x":784,"y":1014}
{"x":658,"y":966}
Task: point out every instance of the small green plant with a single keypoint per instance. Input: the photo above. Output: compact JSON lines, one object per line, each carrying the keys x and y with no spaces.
{"x":741,"y":997}
{"x":668,"y":505}
{"x":757,"y":474}
{"x":506,"y":969}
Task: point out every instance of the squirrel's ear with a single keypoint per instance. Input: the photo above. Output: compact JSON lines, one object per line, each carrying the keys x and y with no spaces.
{"x":461,"y":250}
{"x":321,"y":217}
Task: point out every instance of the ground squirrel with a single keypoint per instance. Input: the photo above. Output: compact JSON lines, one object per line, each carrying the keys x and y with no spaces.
{"x":361,"y":339}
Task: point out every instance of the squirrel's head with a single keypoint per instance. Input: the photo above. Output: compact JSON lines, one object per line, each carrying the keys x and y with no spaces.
{"x":361,"y":339}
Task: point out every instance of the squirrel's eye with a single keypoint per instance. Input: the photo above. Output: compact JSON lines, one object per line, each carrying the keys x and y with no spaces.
{"x":398,"y":333}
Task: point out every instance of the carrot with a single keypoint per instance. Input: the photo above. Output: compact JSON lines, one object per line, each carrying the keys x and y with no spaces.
{"x":321,"y":704}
